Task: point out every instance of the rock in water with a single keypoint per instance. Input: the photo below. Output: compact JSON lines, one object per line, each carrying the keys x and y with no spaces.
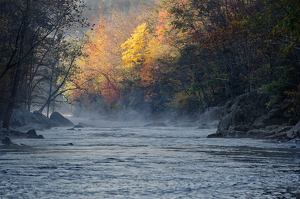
{"x":78,"y":126}
{"x":85,"y":125}
{"x":249,"y":116}
{"x":60,"y":120}
{"x":156,"y":125}
{"x":32,"y":134}
{"x":17,"y":118}
{"x":37,"y":118}
{"x":294,"y":132}
{"x":6,"y":141}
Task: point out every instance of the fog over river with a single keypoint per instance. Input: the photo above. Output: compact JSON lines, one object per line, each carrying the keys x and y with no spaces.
{"x":127,"y":160}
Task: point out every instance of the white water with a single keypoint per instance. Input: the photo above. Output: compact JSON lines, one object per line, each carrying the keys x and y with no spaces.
{"x":118,"y":160}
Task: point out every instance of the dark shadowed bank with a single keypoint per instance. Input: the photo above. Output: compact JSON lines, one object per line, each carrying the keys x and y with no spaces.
{"x":250,"y":116}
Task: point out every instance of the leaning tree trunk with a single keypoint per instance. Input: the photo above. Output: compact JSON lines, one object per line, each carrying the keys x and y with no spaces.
{"x":50,"y":90}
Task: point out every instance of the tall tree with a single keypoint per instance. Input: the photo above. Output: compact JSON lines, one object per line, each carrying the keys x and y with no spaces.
{"x":31,"y":24}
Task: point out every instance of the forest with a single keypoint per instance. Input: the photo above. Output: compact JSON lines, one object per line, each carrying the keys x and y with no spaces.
{"x":179,"y":56}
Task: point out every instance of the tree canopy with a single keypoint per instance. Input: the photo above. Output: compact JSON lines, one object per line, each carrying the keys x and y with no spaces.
{"x":170,"y":55}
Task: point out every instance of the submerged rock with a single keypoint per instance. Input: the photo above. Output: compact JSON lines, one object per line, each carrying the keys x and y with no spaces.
{"x":78,"y":126}
{"x":85,"y":125}
{"x":7,"y":141}
{"x":183,"y":125}
{"x":156,"y":125}
{"x":32,"y":134}
{"x":215,"y":135}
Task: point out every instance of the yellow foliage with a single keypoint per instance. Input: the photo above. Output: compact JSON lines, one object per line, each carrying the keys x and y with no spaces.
{"x":135,"y":47}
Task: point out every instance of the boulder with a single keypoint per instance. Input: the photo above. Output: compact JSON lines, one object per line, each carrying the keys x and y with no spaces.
{"x":78,"y":126}
{"x":32,"y":134}
{"x":249,"y":116}
{"x":37,"y":118}
{"x":215,"y":135}
{"x":7,"y":141}
{"x":20,"y":116}
{"x":294,"y":132}
{"x":22,"y":119}
{"x":60,"y":120}
{"x":17,"y":118}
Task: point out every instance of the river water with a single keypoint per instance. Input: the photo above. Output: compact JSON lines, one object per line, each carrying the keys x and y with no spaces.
{"x":126,"y":160}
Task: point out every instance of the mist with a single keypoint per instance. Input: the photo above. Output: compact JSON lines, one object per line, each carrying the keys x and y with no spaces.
{"x":92,"y":7}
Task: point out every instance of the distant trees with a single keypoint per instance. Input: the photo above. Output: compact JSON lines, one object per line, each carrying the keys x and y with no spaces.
{"x":229,"y":47}
{"x":179,"y":55}
{"x":191,"y":55}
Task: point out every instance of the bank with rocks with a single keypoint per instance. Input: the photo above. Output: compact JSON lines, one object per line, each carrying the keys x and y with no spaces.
{"x":24,"y":124}
{"x":248,"y":116}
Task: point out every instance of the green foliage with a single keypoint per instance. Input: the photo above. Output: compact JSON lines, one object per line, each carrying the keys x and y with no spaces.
{"x":273,"y":86}
{"x":289,"y":24}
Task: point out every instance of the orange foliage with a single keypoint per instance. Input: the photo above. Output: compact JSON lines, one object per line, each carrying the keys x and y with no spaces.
{"x":160,"y":32}
{"x":97,"y":76}
{"x":182,"y":4}
{"x":162,"y":15}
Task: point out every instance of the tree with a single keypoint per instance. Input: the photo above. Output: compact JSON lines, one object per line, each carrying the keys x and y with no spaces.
{"x":135,"y":47}
{"x":26,"y":29}
{"x":63,"y":68}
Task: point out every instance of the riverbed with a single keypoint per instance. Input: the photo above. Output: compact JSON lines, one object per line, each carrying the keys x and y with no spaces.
{"x":128,"y":160}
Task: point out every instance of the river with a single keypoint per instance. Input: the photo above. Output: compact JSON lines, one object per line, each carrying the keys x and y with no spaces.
{"x":127,"y":160}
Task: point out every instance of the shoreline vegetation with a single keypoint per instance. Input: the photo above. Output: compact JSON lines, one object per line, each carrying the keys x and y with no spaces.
{"x":246,"y":116}
{"x":173,"y":59}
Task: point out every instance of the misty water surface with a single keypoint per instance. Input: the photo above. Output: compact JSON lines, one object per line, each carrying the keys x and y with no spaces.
{"x":128,"y":160}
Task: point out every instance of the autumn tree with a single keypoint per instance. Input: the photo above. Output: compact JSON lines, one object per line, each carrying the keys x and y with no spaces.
{"x":189,"y":55}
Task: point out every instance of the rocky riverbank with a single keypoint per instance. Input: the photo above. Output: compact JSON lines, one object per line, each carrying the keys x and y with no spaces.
{"x":25,"y":124}
{"x":249,"y":116}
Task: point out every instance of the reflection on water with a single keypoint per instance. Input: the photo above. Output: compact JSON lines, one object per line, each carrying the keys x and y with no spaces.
{"x":128,"y":161}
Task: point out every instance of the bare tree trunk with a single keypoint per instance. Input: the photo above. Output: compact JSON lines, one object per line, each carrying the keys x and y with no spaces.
{"x":205,"y":98}
{"x":50,"y":90}
{"x":56,"y":92}
{"x":213,"y":94}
